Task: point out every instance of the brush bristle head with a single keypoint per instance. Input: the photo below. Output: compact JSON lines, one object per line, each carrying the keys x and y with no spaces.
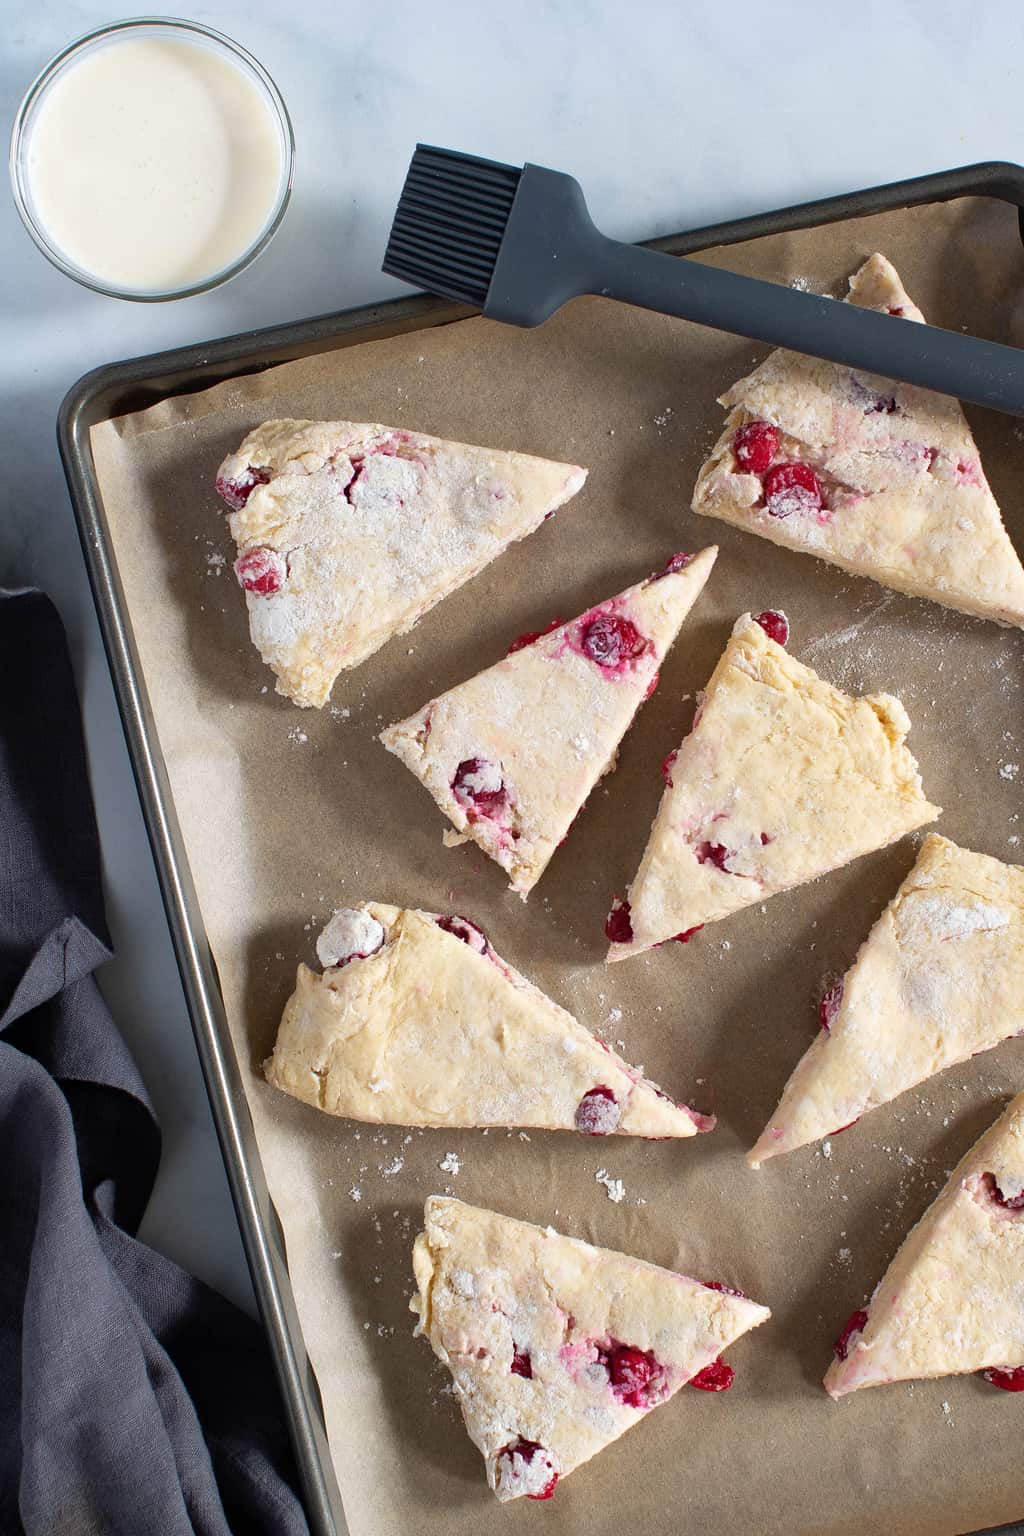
{"x":450,"y":223}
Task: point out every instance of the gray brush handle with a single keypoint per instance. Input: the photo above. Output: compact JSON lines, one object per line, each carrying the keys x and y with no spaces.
{"x":985,"y":372}
{"x":552,"y":252}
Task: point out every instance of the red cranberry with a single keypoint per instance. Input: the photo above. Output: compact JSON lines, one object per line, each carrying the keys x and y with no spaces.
{"x":716,"y":854}
{"x":686,"y":935}
{"x":522,"y":1365}
{"x":831,"y":1001}
{"x":790,"y":488}
{"x":847,"y":1127}
{"x":236,"y":492}
{"x":716,"y":1377}
{"x":727,"y":1290}
{"x":673,"y":565}
{"x":755,"y":446}
{"x":358,"y":462}
{"x":666,"y":767}
{"x":261,"y":570}
{"x":598,"y":1112}
{"x":522,"y":641}
{"x":854,"y":1324}
{"x":1011,"y":1380}
{"x":463,"y":929}
{"x":1011,"y":1203}
{"x":528,"y":1452}
{"x":478,"y":787}
{"x":895,"y":309}
{"x":775,"y":625}
{"x":618,"y":929}
{"x":631,"y":1372}
{"x":610,"y":640}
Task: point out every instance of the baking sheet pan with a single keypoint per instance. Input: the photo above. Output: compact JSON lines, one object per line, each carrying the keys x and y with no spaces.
{"x":890,"y":638}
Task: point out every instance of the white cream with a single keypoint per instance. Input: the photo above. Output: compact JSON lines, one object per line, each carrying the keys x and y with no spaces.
{"x":153,"y":163}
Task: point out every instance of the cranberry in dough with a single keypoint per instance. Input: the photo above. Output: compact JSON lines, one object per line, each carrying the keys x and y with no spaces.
{"x":881,"y":479}
{"x":782,"y":778}
{"x":416,"y":1020}
{"x":950,"y":1301}
{"x":348,"y":532}
{"x":512,"y":754}
{"x":555,"y":1347}
{"x":939,"y":978}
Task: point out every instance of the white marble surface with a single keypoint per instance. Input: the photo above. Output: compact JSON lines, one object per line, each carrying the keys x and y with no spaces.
{"x":672,"y":115}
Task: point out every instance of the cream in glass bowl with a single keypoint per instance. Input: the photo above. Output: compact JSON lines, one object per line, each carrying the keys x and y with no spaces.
{"x":152,"y":159}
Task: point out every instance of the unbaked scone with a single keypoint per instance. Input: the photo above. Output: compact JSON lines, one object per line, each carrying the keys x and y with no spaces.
{"x":511,"y":755}
{"x":881,"y":479}
{"x":348,"y":532}
{"x":939,"y":978}
{"x":556,"y":1348}
{"x":415,"y":1020}
{"x":782,"y":778}
{"x":952,"y":1300}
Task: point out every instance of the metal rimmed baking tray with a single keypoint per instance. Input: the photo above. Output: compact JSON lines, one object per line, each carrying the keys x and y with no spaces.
{"x":127,"y":387}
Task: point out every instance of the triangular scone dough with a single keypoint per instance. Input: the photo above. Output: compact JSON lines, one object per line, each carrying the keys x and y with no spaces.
{"x":950,"y":1301}
{"x":782,"y":778}
{"x":939,"y":978}
{"x":905,"y":499}
{"x":556,"y":1348}
{"x":416,"y":1021}
{"x":511,"y":755}
{"x":348,"y":532}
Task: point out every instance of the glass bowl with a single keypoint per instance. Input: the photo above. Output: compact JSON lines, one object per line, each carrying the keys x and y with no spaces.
{"x":160,"y":27}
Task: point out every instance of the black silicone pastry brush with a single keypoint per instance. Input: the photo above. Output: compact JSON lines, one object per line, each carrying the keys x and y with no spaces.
{"x":519,"y":243}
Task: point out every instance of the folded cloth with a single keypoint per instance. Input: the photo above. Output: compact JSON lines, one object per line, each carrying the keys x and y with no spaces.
{"x":133,"y":1399}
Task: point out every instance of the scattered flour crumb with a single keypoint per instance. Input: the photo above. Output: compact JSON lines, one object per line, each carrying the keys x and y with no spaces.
{"x":615,"y":1016}
{"x":450,"y":1163}
{"x":297,"y":734}
{"x":615,"y":1187}
{"x":826,"y":1149}
{"x":355,"y":1193}
{"x":215,"y":563}
{"x":1009,"y":770}
{"x":338,"y":711}
{"x":395,"y":1166}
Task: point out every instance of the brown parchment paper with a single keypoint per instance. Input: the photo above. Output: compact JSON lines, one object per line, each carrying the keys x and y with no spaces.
{"x":287,"y":813}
